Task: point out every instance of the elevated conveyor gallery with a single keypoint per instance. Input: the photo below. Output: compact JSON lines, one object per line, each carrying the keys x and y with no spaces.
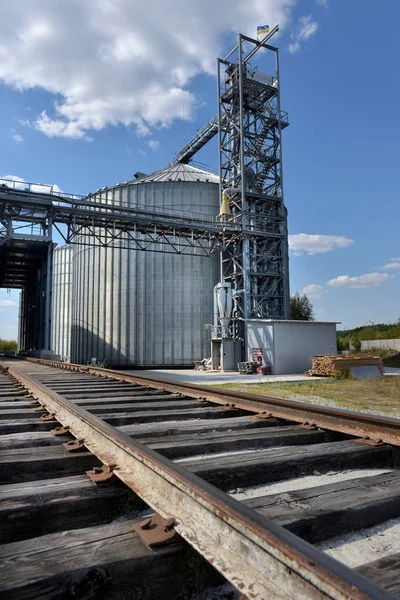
{"x":25,"y":261}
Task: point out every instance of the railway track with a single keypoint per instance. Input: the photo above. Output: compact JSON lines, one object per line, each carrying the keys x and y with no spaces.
{"x":185,"y":484}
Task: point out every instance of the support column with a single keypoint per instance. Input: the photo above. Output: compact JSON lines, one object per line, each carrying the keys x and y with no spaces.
{"x":48,"y":292}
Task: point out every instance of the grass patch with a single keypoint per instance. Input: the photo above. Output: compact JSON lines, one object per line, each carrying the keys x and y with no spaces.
{"x":379,"y":396}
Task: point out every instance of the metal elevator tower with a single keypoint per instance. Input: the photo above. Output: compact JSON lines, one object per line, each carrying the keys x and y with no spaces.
{"x":250,"y":123}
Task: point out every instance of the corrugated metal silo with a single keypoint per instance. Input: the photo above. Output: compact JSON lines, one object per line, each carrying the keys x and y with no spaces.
{"x":142,"y":307}
{"x":62,"y":301}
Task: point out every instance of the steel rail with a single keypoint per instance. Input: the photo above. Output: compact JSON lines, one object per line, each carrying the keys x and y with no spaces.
{"x":260,"y":558}
{"x":368,"y":426}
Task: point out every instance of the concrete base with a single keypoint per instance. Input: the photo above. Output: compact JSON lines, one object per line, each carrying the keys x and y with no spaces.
{"x":215,"y":377}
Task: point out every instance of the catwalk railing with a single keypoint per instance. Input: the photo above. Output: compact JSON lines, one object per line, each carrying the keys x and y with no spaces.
{"x":85,"y":221}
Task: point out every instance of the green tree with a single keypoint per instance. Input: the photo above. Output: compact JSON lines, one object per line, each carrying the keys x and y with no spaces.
{"x":370,"y":332}
{"x":342,"y":343}
{"x":8,"y":346}
{"x":355,"y":342}
{"x":394,"y":332}
{"x":301,"y":308}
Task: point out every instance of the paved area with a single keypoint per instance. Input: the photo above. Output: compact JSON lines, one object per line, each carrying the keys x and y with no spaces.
{"x":214,"y":377}
{"x":392,"y":371}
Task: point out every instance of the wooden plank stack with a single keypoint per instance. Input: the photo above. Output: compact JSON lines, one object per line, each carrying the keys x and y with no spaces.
{"x":327,"y":365}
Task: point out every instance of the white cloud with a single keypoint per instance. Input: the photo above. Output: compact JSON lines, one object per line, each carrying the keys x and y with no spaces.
{"x":153,"y":144}
{"x":306,"y":27}
{"x":5,"y":303}
{"x":362,"y":281}
{"x":117,"y":61}
{"x":391,"y":265}
{"x":323,"y":3}
{"x":16,"y":137}
{"x":319,"y":311}
{"x":59,"y":128}
{"x":396,"y":258}
{"x":20,"y":184}
{"x":301,"y":243}
{"x":313,"y":291}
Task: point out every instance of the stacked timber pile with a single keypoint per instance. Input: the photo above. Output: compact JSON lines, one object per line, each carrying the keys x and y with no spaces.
{"x":328,"y":365}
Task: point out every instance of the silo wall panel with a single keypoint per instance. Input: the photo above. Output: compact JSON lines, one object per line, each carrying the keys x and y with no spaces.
{"x":62,"y":302}
{"x":143,"y":307}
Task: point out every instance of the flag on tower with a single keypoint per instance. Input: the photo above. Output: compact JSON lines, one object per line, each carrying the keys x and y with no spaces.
{"x":262,"y":30}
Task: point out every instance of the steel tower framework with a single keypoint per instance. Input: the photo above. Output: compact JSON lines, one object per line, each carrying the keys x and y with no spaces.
{"x":250,"y":122}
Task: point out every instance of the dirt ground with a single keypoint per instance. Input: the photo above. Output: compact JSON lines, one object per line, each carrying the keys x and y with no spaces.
{"x":381,"y":396}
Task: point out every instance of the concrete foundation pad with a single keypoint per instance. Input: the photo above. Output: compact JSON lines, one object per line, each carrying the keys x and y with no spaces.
{"x":215,"y":377}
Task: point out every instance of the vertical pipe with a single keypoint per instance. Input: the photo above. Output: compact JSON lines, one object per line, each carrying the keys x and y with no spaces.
{"x":219,"y":63}
{"x":245,"y":242}
{"x":285,"y":245}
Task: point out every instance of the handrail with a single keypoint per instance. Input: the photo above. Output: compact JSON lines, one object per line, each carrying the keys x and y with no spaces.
{"x":84,"y":205}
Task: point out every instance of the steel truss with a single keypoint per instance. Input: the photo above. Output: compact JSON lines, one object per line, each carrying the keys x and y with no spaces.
{"x":201,"y":138}
{"x":250,"y":122}
{"x":85,"y":222}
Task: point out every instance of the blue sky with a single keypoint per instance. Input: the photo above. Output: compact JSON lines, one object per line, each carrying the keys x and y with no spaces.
{"x":92,"y":92}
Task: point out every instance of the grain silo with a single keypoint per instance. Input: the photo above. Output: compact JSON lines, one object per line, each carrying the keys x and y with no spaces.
{"x":142,"y":307}
{"x":61,"y":301}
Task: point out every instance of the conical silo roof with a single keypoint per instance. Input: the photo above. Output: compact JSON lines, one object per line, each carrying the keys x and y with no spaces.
{"x":178,"y":172}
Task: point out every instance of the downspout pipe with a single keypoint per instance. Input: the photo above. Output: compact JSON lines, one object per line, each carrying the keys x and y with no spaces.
{"x":216,"y":314}
{"x":230,"y":190}
{"x":225,"y":210}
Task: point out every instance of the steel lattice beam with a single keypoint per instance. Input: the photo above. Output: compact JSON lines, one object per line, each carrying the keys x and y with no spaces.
{"x":84,"y":222}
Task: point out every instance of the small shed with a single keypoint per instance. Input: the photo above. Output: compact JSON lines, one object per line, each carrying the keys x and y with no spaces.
{"x":287,"y":346}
